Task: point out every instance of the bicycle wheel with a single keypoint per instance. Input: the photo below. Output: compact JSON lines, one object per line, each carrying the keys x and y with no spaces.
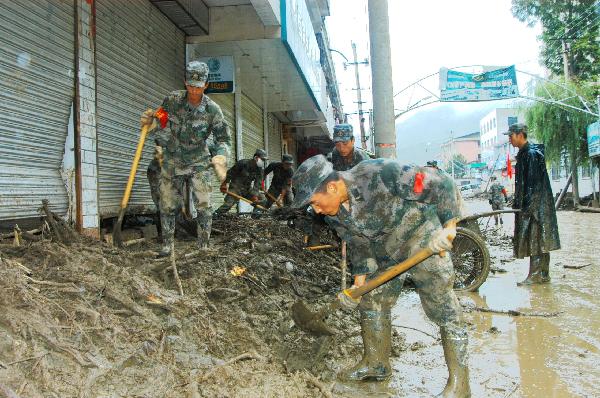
{"x":471,"y":260}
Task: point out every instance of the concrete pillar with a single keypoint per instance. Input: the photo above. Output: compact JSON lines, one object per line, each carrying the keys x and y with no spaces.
{"x":265,"y":118}
{"x":237,"y":97}
{"x":88,"y":218}
{"x":381,"y":78}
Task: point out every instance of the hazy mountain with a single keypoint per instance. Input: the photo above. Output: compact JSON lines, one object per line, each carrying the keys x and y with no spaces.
{"x":420,"y":134}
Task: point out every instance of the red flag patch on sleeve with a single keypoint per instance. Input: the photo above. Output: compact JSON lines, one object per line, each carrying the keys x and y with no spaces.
{"x":418,"y":187}
{"x":162,"y":116}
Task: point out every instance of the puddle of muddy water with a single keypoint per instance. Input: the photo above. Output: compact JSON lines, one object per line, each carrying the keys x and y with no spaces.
{"x":513,"y":356}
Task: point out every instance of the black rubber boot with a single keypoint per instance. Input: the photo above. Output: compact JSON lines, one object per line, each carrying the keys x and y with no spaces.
{"x":455,"y":352}
{"x":535,"y":275}
{"x":545,"y":265}
{"x":376,"y":330}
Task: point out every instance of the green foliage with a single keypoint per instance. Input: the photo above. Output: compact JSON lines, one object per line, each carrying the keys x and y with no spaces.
{"x":562,"y":130}
{"x":460,"y":166}
{"x":577,"y":22}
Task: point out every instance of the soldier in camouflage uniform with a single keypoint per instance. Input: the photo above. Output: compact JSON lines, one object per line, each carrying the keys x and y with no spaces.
{"x":344,"y":157}
{"x":387,"y":212}
{"x":495,"y":193}
{"x":245,"y":178}
{"x":281,"y":184}
{"x":184,"y":126}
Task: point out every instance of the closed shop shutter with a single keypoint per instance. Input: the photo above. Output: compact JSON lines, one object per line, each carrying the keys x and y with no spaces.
{"x":227,"y":104}
{"x":274,"y":139}
{"x":252,"y":127}
{"x":37,"y":64}
{"x":140,"y":57}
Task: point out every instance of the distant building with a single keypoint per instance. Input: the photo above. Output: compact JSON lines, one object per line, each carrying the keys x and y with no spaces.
{"x":466,"y":145}
{"x":494,"y":144}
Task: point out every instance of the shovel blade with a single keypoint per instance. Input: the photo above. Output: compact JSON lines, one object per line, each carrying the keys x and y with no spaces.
{"x":309,"y":321}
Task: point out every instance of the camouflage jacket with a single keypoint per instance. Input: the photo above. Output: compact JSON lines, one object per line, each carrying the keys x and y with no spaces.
{"x":391,"y":213}
{"x":495,"y":193}
{"x":245,"y":175}
{"x":282,"y":178}
{"x":191,"y":136}
{"x":341,"y":164}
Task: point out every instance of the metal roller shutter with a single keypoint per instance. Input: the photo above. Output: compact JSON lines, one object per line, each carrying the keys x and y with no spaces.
{"x":274,"y":139}
{"x":227,"y":104}
{"x":252,"y":127}
{"x":140,"y":58}
{"x":37,"y":63}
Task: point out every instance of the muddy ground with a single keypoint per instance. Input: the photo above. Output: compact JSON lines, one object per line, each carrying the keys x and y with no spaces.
{"x":91,"y":320}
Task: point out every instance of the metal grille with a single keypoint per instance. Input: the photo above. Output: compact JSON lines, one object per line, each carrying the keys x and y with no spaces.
{"x":274,"y":139}
{"x":227,"y":104}
{"x":37,"y":53}
{"x":140,"y":57}
{"x":252,"y":127}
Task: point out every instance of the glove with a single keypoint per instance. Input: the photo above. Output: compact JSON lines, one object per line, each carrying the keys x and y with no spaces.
{"x":489,"y":201}
{"x":147,"y":119}
{"x":219,"y":163}
{"x":223,"y":187}
{"x":506,"y":199}
{"x":346,"y":301}
{"x":441,"y":240}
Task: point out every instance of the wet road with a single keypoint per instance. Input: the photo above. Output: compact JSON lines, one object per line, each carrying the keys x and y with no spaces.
{"x":514,"y":356}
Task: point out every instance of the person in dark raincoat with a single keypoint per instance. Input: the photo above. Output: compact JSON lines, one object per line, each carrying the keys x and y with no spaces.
{"x":536,"y":228}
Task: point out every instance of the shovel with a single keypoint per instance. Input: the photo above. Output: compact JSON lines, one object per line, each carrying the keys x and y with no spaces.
{"x":251,"y":203}
{"x":314,"y":323}
{"x":273,"y":198}
{"x":117,"y":239}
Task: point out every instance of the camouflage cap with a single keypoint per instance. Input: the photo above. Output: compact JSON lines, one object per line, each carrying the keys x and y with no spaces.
{"x":196,"y":73}
{"x":308,"y":178}
{"x":261,"y":153}
{"x":516,"y":128}
{"x":287,"y":159}
{"x":342,"y":132}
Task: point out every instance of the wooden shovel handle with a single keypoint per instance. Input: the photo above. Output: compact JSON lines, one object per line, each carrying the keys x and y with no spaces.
{"x":394,"y":271}
{"x":134,"y":166}
{"x":235,"y":195}
{"x":273,"y":198}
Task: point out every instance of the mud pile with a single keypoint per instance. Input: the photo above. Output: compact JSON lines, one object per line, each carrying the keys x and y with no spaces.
{"x":88,"y":319}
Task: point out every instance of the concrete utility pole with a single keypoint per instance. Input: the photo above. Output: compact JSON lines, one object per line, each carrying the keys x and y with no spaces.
{"x":574,"y":165}
{"x":452,"y":151}
{"x":381,"y":78}
{"x":361,"y":119}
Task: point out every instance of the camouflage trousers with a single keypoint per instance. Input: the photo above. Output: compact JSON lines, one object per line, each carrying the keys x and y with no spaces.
{"x":275,"y":192}
{"x":434,"y":280}
{"x":171,"y":189}
{"x":497,"y":204}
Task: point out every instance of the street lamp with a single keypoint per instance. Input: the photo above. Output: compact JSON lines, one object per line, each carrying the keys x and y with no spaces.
{"x":342,"y":54}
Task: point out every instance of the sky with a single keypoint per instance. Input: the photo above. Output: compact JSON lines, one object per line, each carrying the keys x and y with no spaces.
{"x":426,"y":35}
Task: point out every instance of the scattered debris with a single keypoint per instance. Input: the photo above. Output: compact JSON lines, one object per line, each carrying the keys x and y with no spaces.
{"x":576,"y":266}
{"x":108,"y":316}
{"x":512,"y":312}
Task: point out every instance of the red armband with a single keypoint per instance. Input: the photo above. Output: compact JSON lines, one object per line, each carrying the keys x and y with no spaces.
{"x":418,"y":187}
{"x":162,"y":116}
{"x":504,"y":191}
